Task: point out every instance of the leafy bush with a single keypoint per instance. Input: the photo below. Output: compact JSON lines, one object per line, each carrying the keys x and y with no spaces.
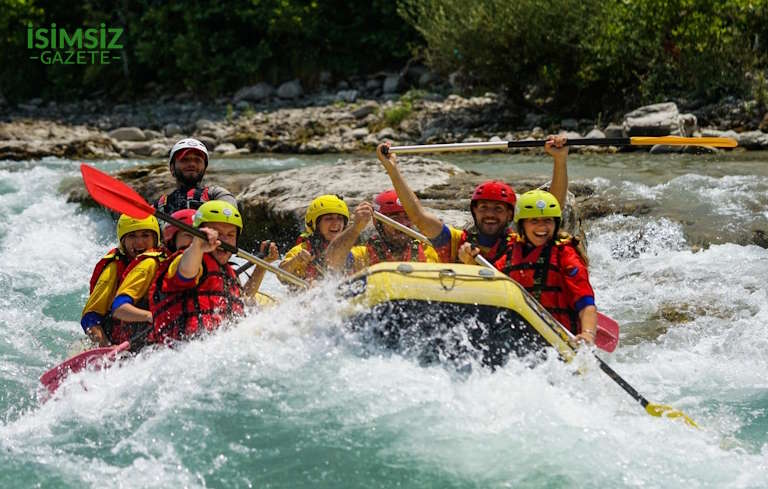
{"x":583,"y":55}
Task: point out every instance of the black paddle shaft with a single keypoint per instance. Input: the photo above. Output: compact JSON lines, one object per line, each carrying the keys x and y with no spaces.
{"x":573,"y":142}
{"x":193,"y":231}
{"x":623,"y":383}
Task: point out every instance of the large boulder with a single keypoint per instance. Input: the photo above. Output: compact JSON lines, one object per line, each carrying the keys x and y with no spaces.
{"x":127,"y":134}
{"x":254,"y":93}
{"x":659,"y":120}
{"x":290,"y":90}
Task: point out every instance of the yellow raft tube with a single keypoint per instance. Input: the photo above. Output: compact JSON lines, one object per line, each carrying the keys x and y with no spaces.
{"x":445,"y":312}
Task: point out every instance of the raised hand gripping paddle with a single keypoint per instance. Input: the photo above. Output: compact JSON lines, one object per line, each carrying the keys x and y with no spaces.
{"x":119,"y":197}
{"x":717,"y":142}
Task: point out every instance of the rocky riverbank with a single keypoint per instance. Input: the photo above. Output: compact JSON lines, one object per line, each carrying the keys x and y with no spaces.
{"x":274,"y":204}
{"x":261,"y":119}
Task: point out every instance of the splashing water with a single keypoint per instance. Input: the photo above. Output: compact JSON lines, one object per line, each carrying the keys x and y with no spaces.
{"x":289,"y":398}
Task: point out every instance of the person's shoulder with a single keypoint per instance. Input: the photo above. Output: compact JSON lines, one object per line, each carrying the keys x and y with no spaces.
{"x":295,"y":250}
{"x":359,"y":251}
{"x":217,"y":192}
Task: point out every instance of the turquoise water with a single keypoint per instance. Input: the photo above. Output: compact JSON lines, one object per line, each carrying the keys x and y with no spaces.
{"x":288,"y":399}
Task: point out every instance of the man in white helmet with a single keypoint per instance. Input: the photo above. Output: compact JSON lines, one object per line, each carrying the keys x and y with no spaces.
{"x":188,"y":162}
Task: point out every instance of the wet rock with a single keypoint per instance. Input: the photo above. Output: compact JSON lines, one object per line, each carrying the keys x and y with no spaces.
{"x":254,"y":93}
{"x":658,"y":120}
{"x":364,"y":110}
{"x":290,"y":90}
{"x":225,"y":148}
{"x":204,"y":125}
{"x":151,"y":134}
{"x":392,"y":84}
{"x":595,"y":134}
{"x":569,"y":124}
{"x":348,"y":96}
{"x":135,"y":148}
{"x":753,"y":140}
{"x":127,"y":134}
{"x":172,"y":129}
{"x":614,"y":131}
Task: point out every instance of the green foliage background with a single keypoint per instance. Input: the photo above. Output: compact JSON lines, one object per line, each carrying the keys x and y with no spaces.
{"x":577,"y":57}
{"x":583,"y":55}
{"x":205,"y":46}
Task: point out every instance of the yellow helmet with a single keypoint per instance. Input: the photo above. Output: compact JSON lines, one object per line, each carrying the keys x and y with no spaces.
{"x":325,"y":204}
{"x":127,"y":224}
{"x":537,"y":203}
{"x":218,"y":211}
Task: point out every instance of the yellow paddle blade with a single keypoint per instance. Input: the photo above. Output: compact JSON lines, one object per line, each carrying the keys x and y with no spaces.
{"x":659,"y":410}
{"x":717,"y":142}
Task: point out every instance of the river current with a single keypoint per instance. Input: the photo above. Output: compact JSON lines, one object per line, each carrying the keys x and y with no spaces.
{"x":287,"y":398}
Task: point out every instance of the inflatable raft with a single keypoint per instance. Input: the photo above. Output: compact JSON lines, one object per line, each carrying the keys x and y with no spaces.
{"x":439,"y":312}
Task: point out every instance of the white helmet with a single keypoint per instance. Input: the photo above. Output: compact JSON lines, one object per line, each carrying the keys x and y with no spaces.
{"x":188,"y":143}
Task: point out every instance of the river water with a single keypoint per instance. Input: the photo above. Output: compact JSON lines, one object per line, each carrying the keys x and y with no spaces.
{"x":287,"y":399}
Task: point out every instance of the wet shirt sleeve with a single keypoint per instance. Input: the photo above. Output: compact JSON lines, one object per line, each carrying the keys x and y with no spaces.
{"x":358,"y":258}
{"x":135,"y":285}
{"x":430,"y":255}
{"x":301,"y":270}
{"x":576,"y":280}
{"x":100,"y":300}
{"x":446,"y":244}
{"x":174,"y":282}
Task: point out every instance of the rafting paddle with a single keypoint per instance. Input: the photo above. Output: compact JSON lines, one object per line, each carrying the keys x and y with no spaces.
{"x":658,"y":410}
{"x":717,"y":142}
{"x":119,"y":197}
{"x":607,"y":335}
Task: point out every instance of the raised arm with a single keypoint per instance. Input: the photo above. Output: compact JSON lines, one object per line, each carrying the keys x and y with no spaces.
{"x":555,"y":146}
{"x":429,"y":224}
{"x":338,"y":249}
{"x":251,"y":286}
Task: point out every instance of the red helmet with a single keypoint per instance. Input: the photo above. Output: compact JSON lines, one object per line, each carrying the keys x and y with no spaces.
{"x":388,"y":203}
{"x":495,"y":190}
{"x":169,"y":232}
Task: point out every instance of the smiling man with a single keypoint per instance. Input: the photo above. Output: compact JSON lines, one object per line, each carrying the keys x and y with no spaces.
{"x":198,"y":290}
{"x":492,"y":206}
{"x":187,"y":163}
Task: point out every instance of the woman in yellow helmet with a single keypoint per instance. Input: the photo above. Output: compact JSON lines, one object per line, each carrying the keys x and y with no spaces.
{"x":326,"y":218}
{"x":134,"y":237}
{"x":198,"y":290}
{"x":550,"y":265}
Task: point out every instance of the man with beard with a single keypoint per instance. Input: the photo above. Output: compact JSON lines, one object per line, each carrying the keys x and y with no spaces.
{"x":387,"y":244}
{"x":492,"y":206}
{"x":188,"y":162}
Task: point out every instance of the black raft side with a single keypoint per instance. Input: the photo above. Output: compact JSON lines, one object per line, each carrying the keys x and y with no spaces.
{"x":443,"y":332}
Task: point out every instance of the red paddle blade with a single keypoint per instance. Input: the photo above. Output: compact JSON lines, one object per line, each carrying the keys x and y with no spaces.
{"x":607,"y":336}
{"x":97,"y":357}
{"x":114,"y":194}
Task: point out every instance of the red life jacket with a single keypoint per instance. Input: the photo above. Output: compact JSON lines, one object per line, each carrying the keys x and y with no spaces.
{"x":116,"y":330}
{"x":183,"y":314}
{"x":541,"y":273}
{"x":317,"y":267}
{"x":113,"y":255}
{"x":378,"y":249}
{"x":194,"y":199}
{"x":495,"y":252}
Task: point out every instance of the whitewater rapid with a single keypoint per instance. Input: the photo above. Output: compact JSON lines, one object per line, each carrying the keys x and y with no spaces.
{"x":288,"y":398}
